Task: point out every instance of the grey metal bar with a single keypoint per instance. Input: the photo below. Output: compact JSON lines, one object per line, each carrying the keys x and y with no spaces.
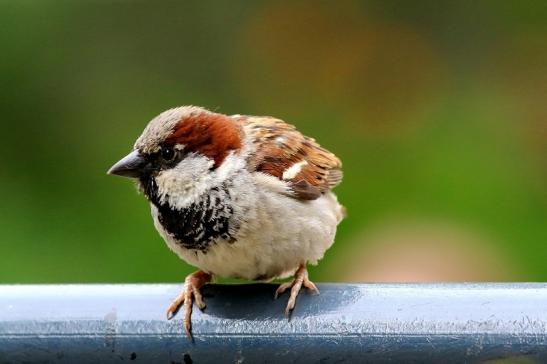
{"x":421,"y":323}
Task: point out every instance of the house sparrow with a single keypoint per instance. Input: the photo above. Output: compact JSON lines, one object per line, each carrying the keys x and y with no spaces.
{"x":236,"y":196}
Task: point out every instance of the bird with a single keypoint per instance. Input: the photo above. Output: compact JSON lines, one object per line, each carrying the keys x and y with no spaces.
{"x":236,"y":196}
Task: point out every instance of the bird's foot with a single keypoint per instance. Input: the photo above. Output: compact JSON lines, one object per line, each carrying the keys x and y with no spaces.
{"x":190,"y":292}
{"x":300,"y":279}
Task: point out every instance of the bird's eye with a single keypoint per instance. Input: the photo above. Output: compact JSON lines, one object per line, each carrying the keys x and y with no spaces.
{"x":167,"y":154}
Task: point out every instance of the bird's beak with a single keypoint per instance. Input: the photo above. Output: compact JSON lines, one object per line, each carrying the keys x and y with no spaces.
{"x":132,"y":165}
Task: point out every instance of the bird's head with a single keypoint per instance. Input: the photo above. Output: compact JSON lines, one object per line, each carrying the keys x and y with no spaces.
{"x":181,"y":154}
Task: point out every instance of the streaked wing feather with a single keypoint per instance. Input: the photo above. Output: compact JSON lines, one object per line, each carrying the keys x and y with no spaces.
{"x":283,"y":152}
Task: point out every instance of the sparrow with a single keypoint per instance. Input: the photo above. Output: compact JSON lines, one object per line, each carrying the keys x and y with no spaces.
{"x":236,"y":196}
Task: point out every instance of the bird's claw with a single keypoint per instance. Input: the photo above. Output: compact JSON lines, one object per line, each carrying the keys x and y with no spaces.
{"x":300,"y":279}
{"x":190,"y":293}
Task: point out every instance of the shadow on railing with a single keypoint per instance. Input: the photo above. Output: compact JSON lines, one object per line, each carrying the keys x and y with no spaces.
{"x":422,"y":323}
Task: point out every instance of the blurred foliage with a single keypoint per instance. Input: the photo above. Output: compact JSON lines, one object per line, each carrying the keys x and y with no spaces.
{"x":437,"y":110}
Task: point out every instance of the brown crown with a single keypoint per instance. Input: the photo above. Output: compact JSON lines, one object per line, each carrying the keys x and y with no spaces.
{"x":213,"y":135}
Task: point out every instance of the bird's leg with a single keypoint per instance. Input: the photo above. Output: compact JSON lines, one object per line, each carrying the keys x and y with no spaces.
{"x":300,"y":279}
{"x":190,"y":292}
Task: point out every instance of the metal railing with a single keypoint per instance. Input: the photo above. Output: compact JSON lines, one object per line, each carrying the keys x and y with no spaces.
{"x":422,"y":323}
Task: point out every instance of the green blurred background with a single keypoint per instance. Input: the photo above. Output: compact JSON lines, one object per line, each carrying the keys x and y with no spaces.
{"x":438,"y":110}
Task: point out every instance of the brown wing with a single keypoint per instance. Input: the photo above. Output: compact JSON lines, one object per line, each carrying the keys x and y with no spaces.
{"x":283,"y":152}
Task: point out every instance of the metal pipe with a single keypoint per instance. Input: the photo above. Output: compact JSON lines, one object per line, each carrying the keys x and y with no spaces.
{"x":373,"y":323}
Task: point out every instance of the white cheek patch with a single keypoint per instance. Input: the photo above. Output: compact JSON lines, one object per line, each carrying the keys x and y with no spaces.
{"x":184,"y":183}
{"x":293,"y":170}
{"x":229,"y":166}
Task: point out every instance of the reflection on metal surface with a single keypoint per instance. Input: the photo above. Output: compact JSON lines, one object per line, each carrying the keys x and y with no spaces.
{"x":353,"y":322}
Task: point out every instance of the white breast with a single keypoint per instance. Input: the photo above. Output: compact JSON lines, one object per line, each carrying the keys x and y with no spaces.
{"x":277,"y":232}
